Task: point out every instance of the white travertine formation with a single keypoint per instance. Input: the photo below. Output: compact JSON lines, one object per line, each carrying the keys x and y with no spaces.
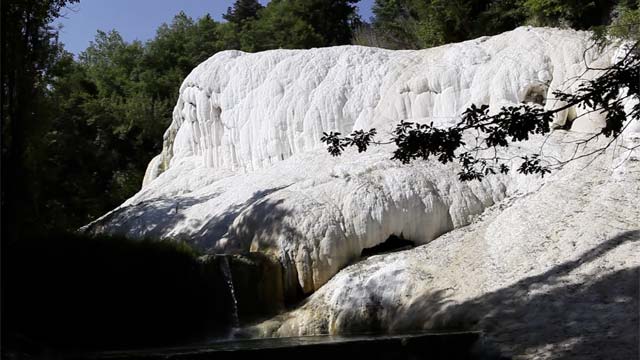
{"x":546,"y":274}
{"x":243,"y":168}
{"x":246,"y":111}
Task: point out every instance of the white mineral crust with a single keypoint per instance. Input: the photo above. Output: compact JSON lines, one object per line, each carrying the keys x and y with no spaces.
{"x":243,"y":168}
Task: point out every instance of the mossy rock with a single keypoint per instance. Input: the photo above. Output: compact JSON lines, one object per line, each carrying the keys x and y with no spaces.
{"x":257,"y":283}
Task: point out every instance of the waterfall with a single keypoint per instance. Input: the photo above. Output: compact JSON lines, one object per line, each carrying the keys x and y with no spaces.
{"x":226,"y":271}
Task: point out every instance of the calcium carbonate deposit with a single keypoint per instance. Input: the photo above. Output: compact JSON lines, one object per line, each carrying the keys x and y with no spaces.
{"x":243,"y":169}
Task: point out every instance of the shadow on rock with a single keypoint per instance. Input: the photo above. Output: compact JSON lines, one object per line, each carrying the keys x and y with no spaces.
{"x":155,"y":218}
{"x":547,"y":313}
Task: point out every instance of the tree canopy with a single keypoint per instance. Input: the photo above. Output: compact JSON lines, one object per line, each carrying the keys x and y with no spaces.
{"x":243,"y":10}
{"x":29,"y":51}
{"x":402,"y":24}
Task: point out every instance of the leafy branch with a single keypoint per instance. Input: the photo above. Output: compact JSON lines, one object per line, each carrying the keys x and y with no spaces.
{"x":607,"y":94}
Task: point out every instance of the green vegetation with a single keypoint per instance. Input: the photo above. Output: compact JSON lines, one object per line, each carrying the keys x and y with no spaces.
{"x":625,"y":22}
{"x":402,"y":24}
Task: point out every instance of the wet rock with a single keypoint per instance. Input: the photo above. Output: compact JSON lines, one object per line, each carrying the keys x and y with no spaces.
{"x":251,"y":288}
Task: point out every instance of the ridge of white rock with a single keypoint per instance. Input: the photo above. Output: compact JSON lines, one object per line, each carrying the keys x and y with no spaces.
{"x":245,"y":111}
{"x":243,"y":169}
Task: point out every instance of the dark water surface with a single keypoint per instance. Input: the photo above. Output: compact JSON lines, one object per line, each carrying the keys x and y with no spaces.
{"x":449,"y":345}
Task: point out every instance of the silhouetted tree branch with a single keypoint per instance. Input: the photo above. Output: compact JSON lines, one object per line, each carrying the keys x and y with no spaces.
{"x":608,"y":94}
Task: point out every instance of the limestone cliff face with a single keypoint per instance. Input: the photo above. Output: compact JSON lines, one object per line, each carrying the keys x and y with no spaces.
{"x":243,"y":168}
{"x":546,"y":274}
{"x":245,"y":111}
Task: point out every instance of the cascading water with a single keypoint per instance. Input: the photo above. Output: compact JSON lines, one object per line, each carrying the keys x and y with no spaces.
{"x":226,"y":271}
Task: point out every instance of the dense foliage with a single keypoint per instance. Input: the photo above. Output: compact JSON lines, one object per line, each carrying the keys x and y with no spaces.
{"x":297,"y":24}
{"x":28,"y":54}
{"x":402,"y":24}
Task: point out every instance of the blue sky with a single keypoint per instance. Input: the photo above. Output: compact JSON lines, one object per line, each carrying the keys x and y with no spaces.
{"x":139,"y":19}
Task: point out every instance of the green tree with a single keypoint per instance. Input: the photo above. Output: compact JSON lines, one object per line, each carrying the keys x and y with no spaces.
{"x":300,"y":24}
{"x":625,"y":22}
{"x":425,"y":23}
{"x":243,"y":10}
{"x":29,"y":49}
{"x":279,"y":26}
{"x":108,"y":112}
{"x":578,"y":14}
{"x":418,"y":24}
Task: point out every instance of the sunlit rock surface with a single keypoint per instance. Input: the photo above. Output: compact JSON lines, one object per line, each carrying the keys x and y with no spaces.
{"x":552,"y":273}
{"x":243,"y":168}
{"x":244,"y":111}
